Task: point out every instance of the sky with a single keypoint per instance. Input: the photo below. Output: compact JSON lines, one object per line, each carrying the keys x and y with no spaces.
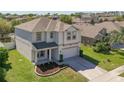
{"x":42,"y":12}
{"x":61,"y":5}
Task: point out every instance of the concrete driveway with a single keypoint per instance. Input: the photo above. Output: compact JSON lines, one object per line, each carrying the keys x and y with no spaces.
{"x":93,"y":72}
{"x":84,"y":67}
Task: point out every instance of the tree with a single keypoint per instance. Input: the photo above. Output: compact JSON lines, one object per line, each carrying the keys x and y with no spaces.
{"x":77,"y":15}
{"x":122,"y":16}
{"x":66,"y":19}
{"x":3,"y":56}
{"x":31,"y":15}
{"x":102,"y":47}
{"x":92,"y":22}
{"x":2,"y":74}
{"x":47,"y":15}
{"x":5,"y":27}
{"x":14,"y":23}
{"x":1,"y":15}
{"x":101,"y":20}
{"x":7,"y":14}
{"x":119,"y":18}
{"x":117,"y":37}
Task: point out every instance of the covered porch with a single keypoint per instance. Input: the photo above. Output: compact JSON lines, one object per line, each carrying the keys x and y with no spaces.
{"x":44,"y":52}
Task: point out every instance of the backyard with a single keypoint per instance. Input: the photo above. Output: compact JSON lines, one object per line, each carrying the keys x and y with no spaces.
{"x":22,"y":70}
{"x":116,"y":58}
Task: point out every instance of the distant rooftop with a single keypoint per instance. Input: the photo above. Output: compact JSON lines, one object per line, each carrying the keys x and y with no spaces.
{"x":90,"y":30}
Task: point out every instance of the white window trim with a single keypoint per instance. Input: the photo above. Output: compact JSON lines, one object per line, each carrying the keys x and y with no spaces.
{"x":68,"y":35}
{"x":74,"y":33}
{"x":37,"y":37}
{"x":51,"y":35}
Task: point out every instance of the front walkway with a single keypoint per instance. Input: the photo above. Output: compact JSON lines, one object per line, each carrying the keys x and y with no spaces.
{"x":93,"y":72}
{"x":111,"y":76}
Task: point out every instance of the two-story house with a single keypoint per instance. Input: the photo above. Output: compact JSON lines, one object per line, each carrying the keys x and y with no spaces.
{"x":43,"y":40}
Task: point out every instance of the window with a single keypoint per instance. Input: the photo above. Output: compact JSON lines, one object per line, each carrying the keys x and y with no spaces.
{"x":41,"y":54}
{"x":51,"y":35}
{"x":69,"y":36}
{"x":2,"y":35}
{"x":74,"y":35}
{"x":38,"y":36}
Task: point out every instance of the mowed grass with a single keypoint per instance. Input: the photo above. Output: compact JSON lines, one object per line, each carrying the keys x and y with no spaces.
{"x":122,"y":75}
{"x":22,"y":70}
{"x":116,"y":58}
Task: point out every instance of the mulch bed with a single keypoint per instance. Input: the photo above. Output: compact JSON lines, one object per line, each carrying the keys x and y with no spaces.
{"x":48,"y":69}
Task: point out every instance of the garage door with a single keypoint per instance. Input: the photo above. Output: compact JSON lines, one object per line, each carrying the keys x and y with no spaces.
{"x":70,"y":52}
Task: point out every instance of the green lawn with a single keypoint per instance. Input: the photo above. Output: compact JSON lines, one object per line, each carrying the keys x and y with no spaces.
{"x":116,"y":58}
{"x":20,"y":69}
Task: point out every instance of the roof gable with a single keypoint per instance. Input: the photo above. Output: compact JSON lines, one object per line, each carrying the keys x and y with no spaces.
{"x":72,"y":28}
{"x":44,"y":24}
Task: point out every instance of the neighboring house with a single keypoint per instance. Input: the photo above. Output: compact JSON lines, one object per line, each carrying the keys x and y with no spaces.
{"x":8,"y":41}
{"x":10,"y":17}
{"x":4,"y":37}
{"x":76,"y":20}
{"x":110,"y":18}
{"x":109,"y":26}
{"x":91,"y":33}
{"x":87,"y":18}
{"x":43,"y":39}
{"x":120,"y":24}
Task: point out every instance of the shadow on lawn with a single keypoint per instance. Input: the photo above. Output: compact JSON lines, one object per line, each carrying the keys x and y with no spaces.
{"x":90,"y":59}
{"x":120,"y":53}
{"x":3,"y":71}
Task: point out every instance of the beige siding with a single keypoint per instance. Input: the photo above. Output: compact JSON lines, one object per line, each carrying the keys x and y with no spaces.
{"x":43,"y":35}
{"x":24,"y":47}
{"x":71,"y":41}
{"x":60,"y":38}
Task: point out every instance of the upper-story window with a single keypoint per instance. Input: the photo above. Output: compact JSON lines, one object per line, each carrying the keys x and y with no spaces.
{"x":68,"y":35}
{"x":38,"y":36}
{"x":74,"y":35}
{"x":51,"y":34}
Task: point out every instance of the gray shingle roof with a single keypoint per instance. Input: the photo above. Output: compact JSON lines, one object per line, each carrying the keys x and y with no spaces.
{"x":43,"y":24}
{"x":41,"y":45}
{"x":89,"y":30}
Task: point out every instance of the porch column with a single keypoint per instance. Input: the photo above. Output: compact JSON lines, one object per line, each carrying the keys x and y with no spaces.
{"x":35,"y":56}
{"x":49,"y":54}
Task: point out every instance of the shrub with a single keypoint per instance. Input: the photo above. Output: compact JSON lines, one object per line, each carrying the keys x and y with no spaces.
{"x":66,"y":19}
{"x":61,"y":58}
{"x":3,"y":56}
{"x":92,"y":22}
{"x":81,"y":53}
{"x":101,"y":47}
{"x":2,"y":74}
